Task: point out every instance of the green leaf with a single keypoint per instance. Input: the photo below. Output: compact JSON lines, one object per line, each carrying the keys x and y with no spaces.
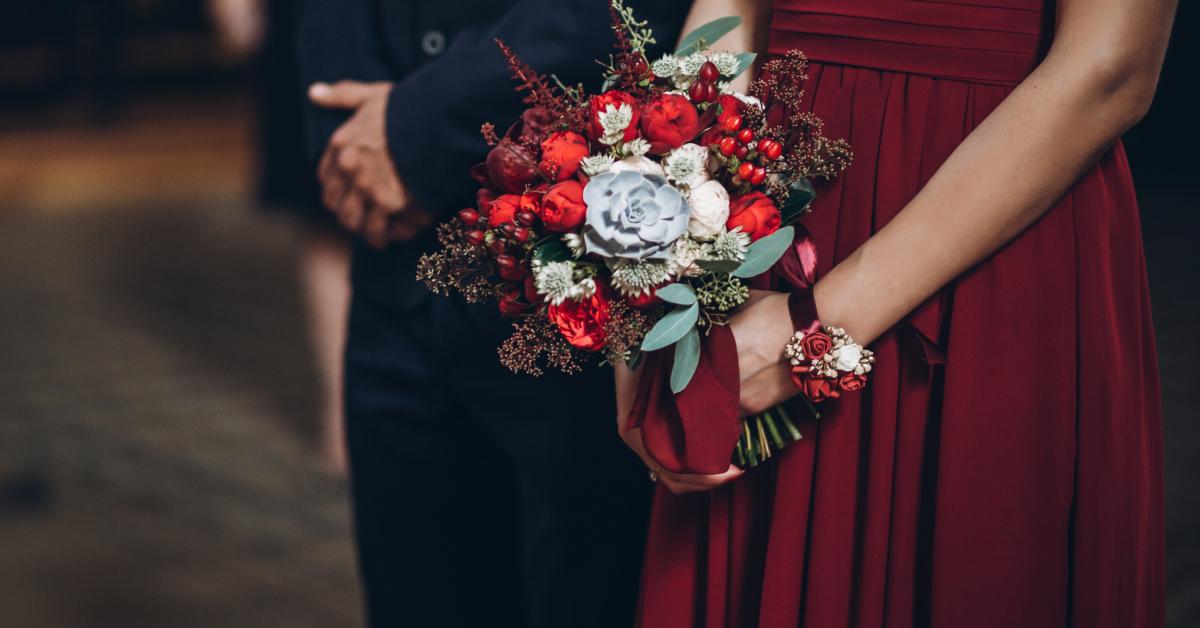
{"x":687,"y":356}
{"x":670,"y":328}
{"x":745,"y":62}
{"x":764,"y":253}
{"x":709,"y":33}
{"x":552,"y":250}
{"x":718,"y":265}
{"x":677,"y":293}
{"x":801,"y":196}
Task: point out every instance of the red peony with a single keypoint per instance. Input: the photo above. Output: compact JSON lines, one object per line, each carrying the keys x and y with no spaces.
{"x":852,"y":381}
{"x":562,"y":209}
{"x":815,"y":344}
{"x":511,"y":167}
{"x":503,"y":209}
{"x":669,"y":121}
{"x":582,"y":322}
{"x":615,"y":98}
{"x":563,"y":151}
{"x":755,"y":213}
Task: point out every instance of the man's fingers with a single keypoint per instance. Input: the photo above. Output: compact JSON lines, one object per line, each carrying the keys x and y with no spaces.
{"x":376,"y":230}
{"x":350,"y":211}
{"x":341,"y":95}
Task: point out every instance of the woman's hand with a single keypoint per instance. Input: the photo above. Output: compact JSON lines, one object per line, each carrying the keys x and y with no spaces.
{"x":677,"y":483}
{"x":761,"y":327}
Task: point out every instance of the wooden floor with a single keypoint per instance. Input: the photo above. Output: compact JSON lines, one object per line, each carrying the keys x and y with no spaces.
{"x":156,"y":398}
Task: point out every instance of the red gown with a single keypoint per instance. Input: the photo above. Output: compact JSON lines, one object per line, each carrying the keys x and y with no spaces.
{"x":1004,"y":466}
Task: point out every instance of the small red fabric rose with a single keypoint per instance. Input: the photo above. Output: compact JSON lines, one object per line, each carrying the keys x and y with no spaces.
{"x":815,"y":344}
{"x":562,"y":152}
{"x":582,"y":322}
{"x":562,"y":208}
{"x":615,"y":98}
{"x":850,"y":382}
{"x":755,"y":213}
{"x":503,"y":209}
{"x":669,"y":121}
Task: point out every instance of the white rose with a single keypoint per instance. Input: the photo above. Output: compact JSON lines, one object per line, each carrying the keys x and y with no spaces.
{"x":848,"y":357}
{"x":643,"y":165}
{"x":710,"y":209}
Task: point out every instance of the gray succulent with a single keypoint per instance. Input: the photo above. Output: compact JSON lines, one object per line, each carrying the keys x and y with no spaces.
{"x":633,"y":216}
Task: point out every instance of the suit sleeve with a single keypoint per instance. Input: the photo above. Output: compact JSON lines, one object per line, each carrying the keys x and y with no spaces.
{"x":434,"y":115}
{"x":336,"y":40}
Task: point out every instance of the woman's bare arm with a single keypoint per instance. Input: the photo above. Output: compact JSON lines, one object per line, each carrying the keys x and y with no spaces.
{"x":750,"y":35}
{"x":1095,"y":83}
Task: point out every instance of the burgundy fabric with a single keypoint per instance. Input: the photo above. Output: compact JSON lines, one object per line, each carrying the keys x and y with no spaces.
{"x":696,"y":430}
{"x":1004,"y":465}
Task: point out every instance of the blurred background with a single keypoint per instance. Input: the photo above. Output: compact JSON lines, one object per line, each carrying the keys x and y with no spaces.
{"x":170,"y":297}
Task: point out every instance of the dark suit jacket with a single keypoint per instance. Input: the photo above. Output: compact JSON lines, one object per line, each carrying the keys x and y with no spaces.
{"x":449,"y":79}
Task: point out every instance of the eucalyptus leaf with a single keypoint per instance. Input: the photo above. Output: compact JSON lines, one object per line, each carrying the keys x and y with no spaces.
{"x":709,"y":33}
{"x":552,"y":250}
{"x":670,"y":328}
{"x":745,"y":62}
{"x":687,"y":356}
{"x":764,"y":253}
{"x":718,"y":265}
{"x":677,"y":293}
{"x":800,"y":197}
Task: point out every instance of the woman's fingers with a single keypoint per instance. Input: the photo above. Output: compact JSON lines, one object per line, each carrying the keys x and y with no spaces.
{"x":680,"y":483}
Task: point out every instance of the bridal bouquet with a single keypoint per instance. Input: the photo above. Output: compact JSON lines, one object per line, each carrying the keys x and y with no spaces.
{"x":631,"y":221}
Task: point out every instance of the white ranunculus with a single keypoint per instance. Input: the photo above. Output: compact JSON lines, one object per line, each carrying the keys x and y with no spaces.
{"x":710,"y":209}
{"x":848,"y":357}
{"x":641,"y":165}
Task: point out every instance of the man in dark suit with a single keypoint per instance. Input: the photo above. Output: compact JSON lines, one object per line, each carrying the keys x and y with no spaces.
{"x":481,"y":498}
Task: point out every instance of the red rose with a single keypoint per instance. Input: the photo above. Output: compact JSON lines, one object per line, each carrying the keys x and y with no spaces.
{"x":503,"y":209}
{"x":582,"y":322}
{"x":562,"y":152}
{"x":730,"y":106}
{"x":511,"y":167}
{"x":615,"y":98}
{"x":642,"y":301}
{"x":815,"y":344}
{"x":755,"y":213}
{"x":562,"y":207}
{"x":852,"y":381}
{"x":817,"y":389}
{"x":669,"y":121}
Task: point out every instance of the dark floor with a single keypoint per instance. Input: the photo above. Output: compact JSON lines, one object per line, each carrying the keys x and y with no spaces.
{"x":156,"y":407}
{"x":154,"y":398}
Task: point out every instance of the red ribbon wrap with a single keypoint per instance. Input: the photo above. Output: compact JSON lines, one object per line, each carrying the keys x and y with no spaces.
{"x":696,"y":430}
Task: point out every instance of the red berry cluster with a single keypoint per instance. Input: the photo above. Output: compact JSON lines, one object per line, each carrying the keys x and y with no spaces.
{"x":704,"y":89}
{"x":507,"y":245}
{"x":752,"y":157}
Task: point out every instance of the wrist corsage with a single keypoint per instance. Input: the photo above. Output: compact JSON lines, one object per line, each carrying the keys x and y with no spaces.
{"x":827,"y":362}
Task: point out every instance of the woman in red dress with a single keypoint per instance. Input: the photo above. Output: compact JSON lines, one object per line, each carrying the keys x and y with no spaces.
{"x":1003,"y":468}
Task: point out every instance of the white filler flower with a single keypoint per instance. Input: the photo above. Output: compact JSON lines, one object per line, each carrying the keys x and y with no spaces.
{"x":614,"y":120}
{"x":687,"y":165}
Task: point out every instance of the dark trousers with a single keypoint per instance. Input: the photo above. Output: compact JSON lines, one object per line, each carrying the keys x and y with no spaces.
{"x":482,"y":498}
